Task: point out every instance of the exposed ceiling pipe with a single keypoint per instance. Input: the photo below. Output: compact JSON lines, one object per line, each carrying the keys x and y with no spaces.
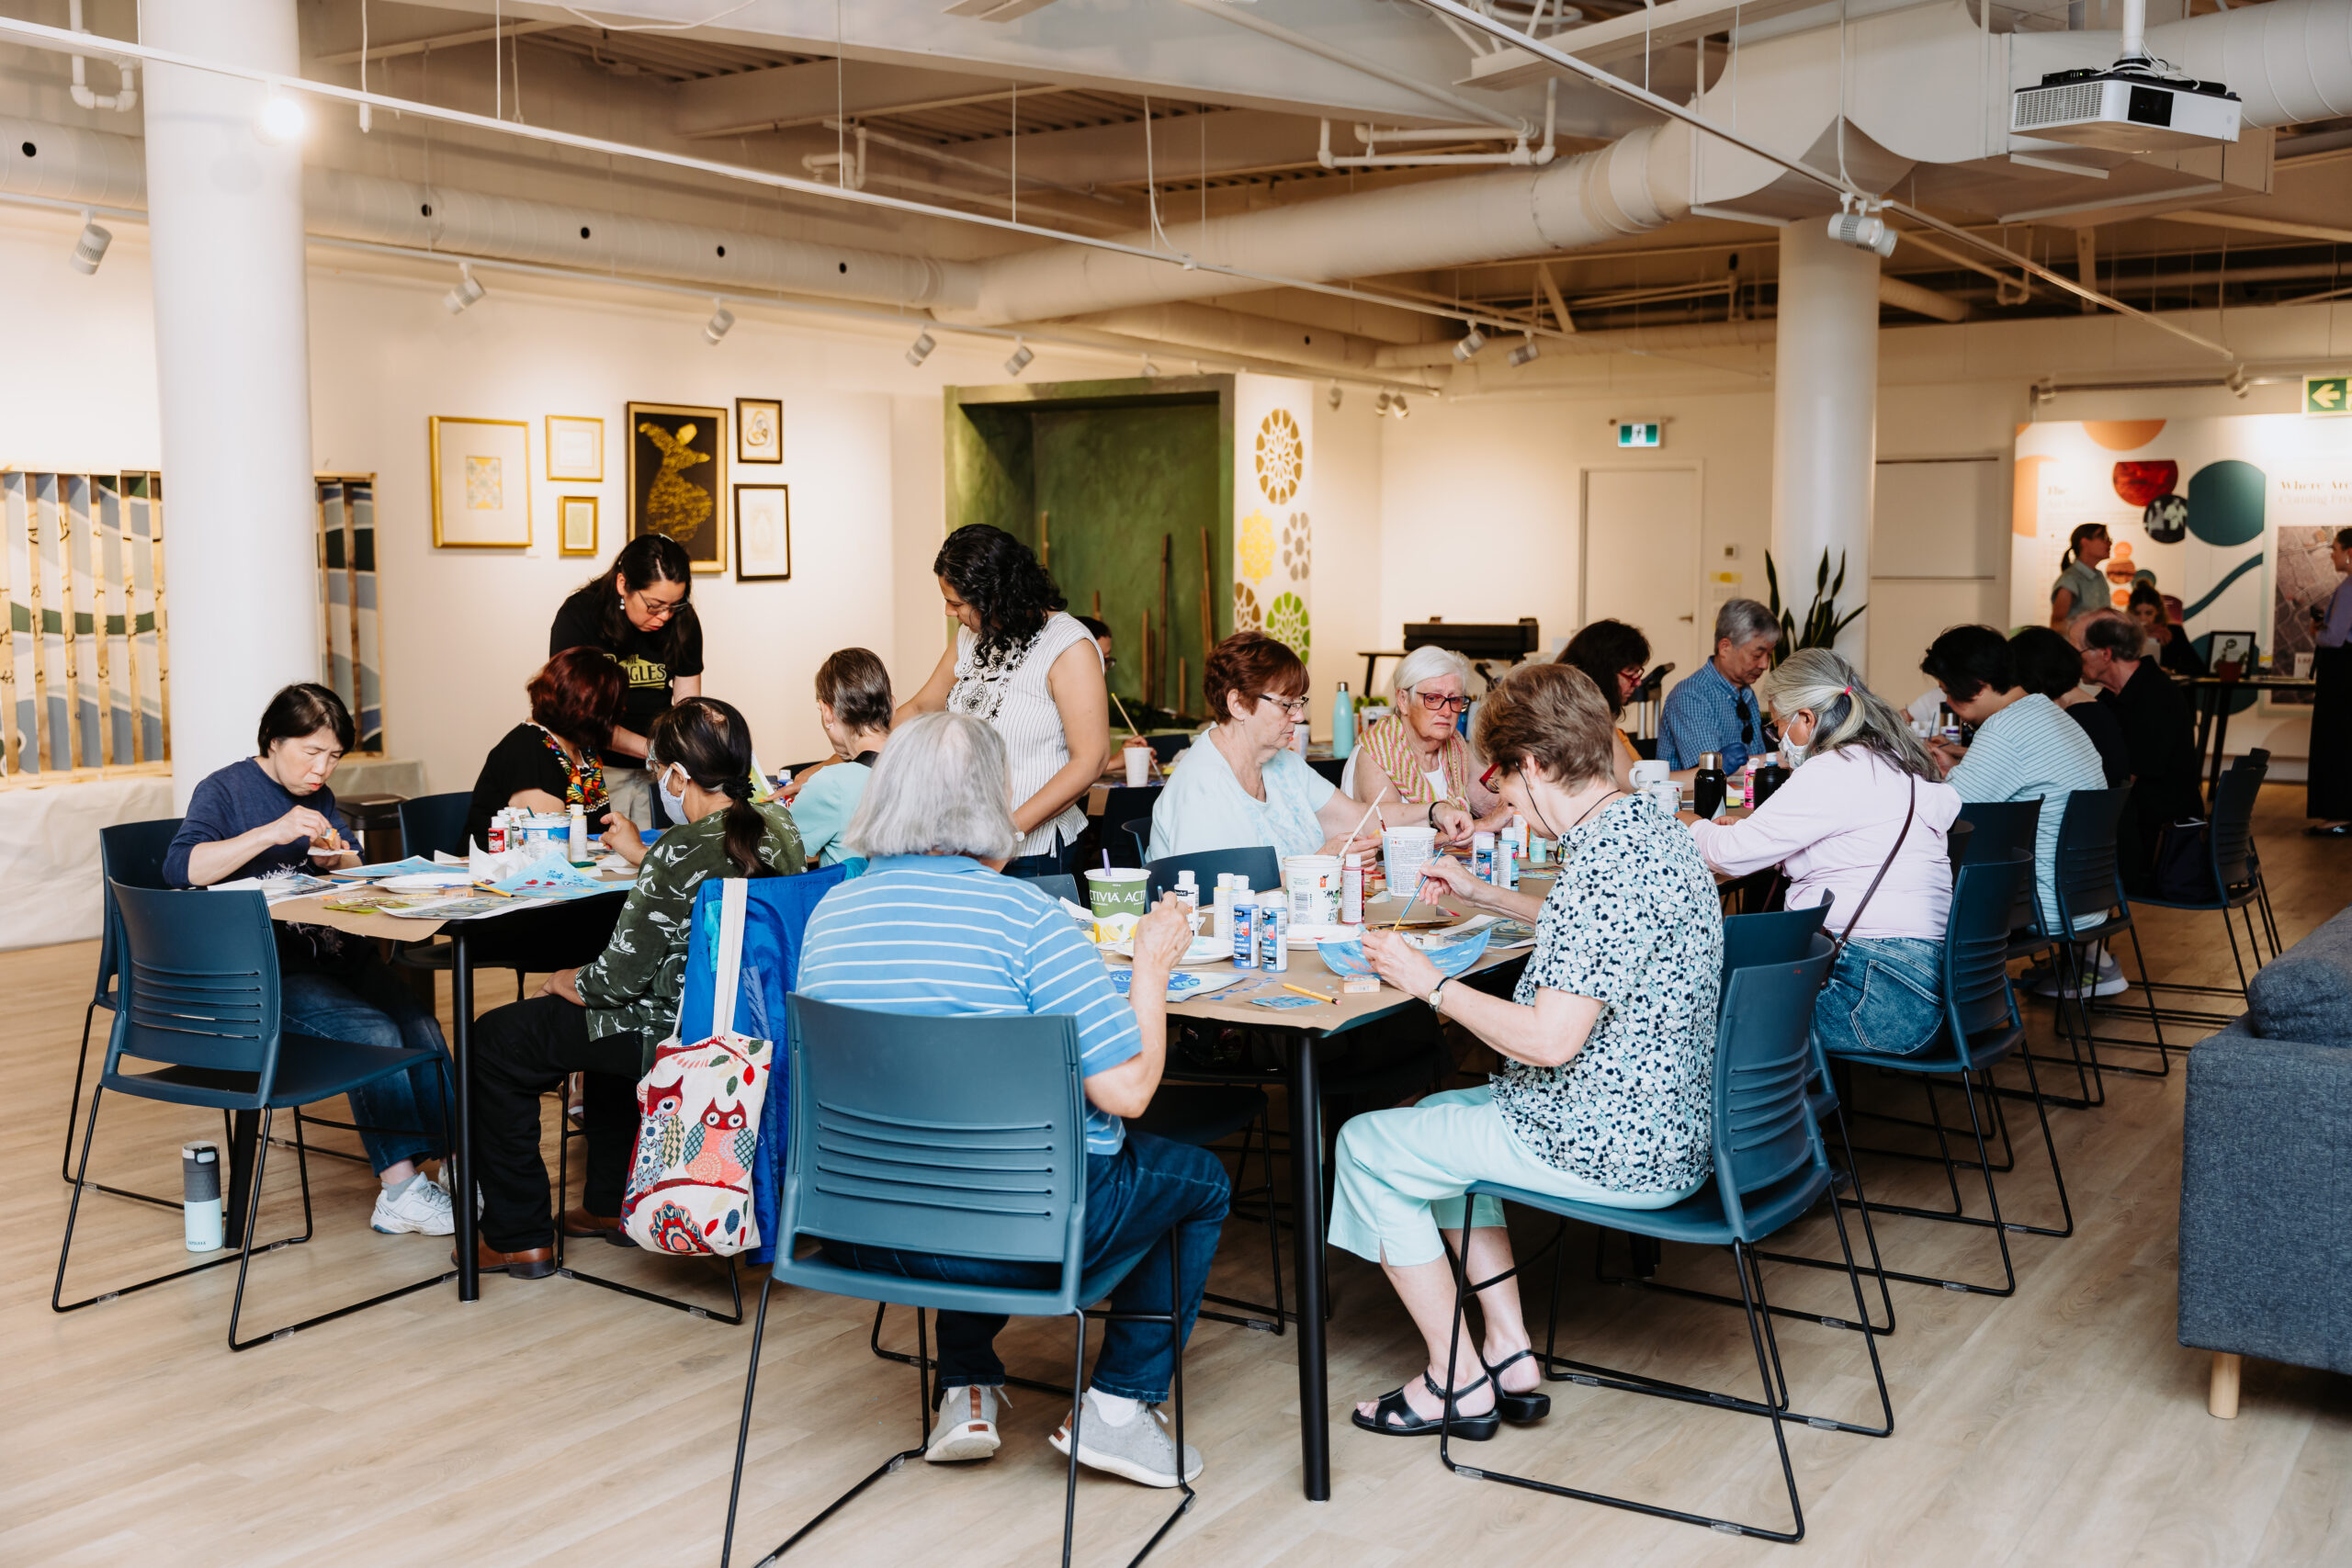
{"x":1920,"y":302}
{"x":123,"y":99}
{"x":1468,"y":107}
{"x":100,"y":168}
{"x":1209,"y":328}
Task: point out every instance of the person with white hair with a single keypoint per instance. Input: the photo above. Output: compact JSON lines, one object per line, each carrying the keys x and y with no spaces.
{"x":1418,"y":755}
{"x":1862,"y":822}
{"x":1714,"y":710}
{"x":934,"y":929}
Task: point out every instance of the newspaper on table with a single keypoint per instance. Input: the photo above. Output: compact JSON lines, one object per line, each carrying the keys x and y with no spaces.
{"x":280,"y":888}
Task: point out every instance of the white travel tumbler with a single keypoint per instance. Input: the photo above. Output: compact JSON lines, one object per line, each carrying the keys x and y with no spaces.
{"x":200,"y":1196}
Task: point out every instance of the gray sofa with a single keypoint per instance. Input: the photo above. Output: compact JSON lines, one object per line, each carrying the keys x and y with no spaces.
{"x":2265,"y":1188}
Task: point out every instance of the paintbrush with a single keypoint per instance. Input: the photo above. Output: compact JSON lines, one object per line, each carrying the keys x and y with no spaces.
{"x":1131,"y":725}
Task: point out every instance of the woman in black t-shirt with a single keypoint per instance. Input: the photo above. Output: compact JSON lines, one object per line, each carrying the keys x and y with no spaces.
{"x":554,"y":759}
{"x":637,"y":611}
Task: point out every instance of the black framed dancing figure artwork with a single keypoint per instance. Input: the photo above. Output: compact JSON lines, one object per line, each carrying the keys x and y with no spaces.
{"x":677,"y":479}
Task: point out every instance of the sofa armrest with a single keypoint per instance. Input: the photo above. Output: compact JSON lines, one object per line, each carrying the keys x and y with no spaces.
{"x":2266,"y":1200}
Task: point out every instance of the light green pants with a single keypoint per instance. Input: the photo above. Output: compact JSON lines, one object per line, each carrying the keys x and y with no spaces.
{"x":1401,"y":1176}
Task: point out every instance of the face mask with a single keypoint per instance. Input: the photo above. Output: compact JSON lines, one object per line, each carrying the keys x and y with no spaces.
{"x":675,"y":805}
{"x":1792,"y":752}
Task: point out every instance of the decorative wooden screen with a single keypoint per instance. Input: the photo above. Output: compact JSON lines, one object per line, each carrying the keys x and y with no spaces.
{"x":351,"y":653}
{"x":84,"y":680}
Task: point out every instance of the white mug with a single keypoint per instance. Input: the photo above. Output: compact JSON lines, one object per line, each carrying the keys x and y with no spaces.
{"x":1651,"y":771}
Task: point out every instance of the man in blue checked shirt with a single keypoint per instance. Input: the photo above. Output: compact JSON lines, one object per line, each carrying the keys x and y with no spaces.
{"x":1716,"y":709}
{"x":933,"y":928}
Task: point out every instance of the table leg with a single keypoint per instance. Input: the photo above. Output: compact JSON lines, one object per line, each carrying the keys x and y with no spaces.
{"x":245,"y":1139}
{"x":461,"y":1185}
{"x":2222,"y":695}
{"x":1307,"y":1255}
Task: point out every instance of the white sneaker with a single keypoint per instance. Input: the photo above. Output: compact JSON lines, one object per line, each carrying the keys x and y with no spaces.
{"x":1142,"y":1450}
{"x":967,"y":1427}
{"x":419,"y":1208}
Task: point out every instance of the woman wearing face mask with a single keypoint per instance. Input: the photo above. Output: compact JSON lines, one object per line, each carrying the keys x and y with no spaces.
{"x":606,"y":1018}
{"x":1607,"y":1048}
{"x":2081,"y":587}
{"x":1863,"y":796}
{"x":637,"y":611}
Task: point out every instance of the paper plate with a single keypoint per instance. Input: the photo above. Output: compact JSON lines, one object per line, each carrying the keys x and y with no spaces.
{"x":1204,"y":949}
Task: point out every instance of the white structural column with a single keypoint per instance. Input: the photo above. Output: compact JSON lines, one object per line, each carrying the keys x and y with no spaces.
{"x":233,"y":354}
{"x":1825,"y":421}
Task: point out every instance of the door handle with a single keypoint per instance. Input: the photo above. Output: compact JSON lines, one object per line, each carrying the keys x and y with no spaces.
{"x":1684,"y":618}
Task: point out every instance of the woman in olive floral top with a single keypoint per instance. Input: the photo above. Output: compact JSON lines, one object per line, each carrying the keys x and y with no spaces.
{"x":606,"y":1018}
{"x":1604,"y":1095}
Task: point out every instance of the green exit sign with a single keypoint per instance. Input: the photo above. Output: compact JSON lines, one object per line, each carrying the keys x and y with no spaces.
{"x":1639,"y":434}
{"x":2322,"y":394}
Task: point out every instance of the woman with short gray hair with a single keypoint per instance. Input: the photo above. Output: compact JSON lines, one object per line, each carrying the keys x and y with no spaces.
{"x":1862,"y":797}
{"x":1418,"y":754}
{"x":934,"y":928}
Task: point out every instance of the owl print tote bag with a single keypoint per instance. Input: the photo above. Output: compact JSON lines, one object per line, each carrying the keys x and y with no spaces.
{"x":698,"y":1122}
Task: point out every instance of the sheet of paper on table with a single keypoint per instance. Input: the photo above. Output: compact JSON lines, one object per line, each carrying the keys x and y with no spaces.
{"x":552,"y":876}
{"x":1183,"y":985}
{"x":474,"y":909}
{"x":277,"y":889}
{"x":382,"y":869}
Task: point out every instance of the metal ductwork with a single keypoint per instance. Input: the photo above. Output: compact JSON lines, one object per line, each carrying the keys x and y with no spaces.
{"x":1635,"y":184}
{"x":102,"y":169}
{"x":2289,"y":61}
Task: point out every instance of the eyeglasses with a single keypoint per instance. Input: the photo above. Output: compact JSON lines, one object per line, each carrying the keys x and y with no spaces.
{"x":1295,"y":707}
{"x":1747,"y":726}
{"x":1437,"y":702}
{"x":653,"y":610}
{"x":1486,"y":779}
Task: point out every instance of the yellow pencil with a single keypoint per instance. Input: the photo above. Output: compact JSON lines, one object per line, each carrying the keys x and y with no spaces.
{"x":1303,"y":991}
{"x":494,"y":892}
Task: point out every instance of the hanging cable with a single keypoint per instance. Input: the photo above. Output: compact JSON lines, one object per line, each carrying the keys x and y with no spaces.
{"x":658,"y":27}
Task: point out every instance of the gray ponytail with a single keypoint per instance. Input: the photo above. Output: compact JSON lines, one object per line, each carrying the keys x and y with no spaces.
{"x":1847,"y":712}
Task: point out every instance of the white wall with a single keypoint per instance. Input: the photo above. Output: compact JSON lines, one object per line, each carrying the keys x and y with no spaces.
{"x":1345,"y":447}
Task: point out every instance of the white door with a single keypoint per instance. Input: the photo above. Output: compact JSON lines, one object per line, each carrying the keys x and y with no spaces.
{"x":1641,"y":558}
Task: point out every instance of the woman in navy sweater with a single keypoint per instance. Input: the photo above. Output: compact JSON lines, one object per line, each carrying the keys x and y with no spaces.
{"x":272,"y":815}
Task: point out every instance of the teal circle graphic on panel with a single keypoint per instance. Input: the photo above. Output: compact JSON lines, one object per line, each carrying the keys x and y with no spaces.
{"x":2225,"y":502}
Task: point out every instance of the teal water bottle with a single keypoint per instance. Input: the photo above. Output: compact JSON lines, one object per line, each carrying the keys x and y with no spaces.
{"x":1343,"y":724}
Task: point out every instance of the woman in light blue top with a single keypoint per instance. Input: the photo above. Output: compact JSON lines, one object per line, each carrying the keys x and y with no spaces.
{"x":1240,"y":784}
{"x":854,"y":705}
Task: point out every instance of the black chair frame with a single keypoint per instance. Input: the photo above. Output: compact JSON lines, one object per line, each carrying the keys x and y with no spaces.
{"x":927,"y":1401}
{"x":564,"y":1136}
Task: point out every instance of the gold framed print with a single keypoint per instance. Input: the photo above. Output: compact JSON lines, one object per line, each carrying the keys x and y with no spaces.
{"x":762,"y":534}
{"x":481,"y":483}
{"x":575,"y":525}
{"x":576,"y":448}
{"x":677,"y":477}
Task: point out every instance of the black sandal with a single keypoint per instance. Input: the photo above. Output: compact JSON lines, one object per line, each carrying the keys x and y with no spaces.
{"x":1519,"y":1409}
{"x":1470,"y":1428}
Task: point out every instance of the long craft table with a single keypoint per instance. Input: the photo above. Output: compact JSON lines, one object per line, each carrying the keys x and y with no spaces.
{"x":511,"y":928}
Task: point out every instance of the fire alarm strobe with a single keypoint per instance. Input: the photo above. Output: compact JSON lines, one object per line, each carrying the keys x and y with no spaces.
{"x":2125,"y":108}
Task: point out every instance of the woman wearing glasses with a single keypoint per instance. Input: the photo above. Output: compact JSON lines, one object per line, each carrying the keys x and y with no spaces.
{"x":1417,"y":755}
{"x":1242,"y":784}
{"x":637,"y":611}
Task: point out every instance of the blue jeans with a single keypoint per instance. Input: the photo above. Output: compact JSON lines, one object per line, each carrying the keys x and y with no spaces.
{"x":1133,"y":1199}
{"x":1884,"y":997}
{"x":366,"y":1005}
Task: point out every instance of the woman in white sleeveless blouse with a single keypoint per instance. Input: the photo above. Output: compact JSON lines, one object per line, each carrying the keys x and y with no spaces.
{"x":1032,"y":671}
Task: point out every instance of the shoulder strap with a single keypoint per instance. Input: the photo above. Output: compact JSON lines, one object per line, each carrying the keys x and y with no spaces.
{"x":1908,"y":811}
{"x":734,"y":894}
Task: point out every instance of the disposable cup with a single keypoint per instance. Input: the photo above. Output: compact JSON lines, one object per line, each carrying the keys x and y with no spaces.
{"x":1403,"y":851}
{"x":1139,"y":761}
{"x":1116,"y":891}
{"x":1313,"y":883}
{"x":1667,"y":795}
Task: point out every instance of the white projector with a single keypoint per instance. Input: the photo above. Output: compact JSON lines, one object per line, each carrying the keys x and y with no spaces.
{"x":2125,"y":110}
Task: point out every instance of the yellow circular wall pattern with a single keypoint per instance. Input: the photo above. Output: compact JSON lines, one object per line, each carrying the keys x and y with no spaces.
{"x":1257,"y":546}
{"x":1282,"y":457}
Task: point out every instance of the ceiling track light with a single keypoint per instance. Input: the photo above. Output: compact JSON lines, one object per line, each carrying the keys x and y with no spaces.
{"x":1470,"y":344}
{"x":1333,"y":395}
{"x":1022,"y":355}
{"x":281,"y":121}
{"x":1402,"y":409}
{"x":468,"y":292}
{"x":721,"y":321}
{"x":90,"y":248}
{"x":1150,"y":371}
{"x":920,"y":349}
{"x":1524,"y":353}
{"x":1380,"y":404}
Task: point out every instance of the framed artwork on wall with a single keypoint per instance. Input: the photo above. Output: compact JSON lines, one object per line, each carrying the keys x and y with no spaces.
{"x":762,"y":534}
{"x":576,"y":447}
{"x":481,"y":483}
{"x":759,"y":430}
{"x":575,"y":525}
{"x":677,"y":475}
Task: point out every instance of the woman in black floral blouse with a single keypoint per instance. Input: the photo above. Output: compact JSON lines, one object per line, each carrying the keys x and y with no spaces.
{"x":1608,"y":1049}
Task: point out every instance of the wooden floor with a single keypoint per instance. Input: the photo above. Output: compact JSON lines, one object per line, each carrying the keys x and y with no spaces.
{"x":555,"y":1422}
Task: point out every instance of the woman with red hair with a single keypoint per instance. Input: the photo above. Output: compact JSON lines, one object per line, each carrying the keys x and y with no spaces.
{"x":550,"y":761}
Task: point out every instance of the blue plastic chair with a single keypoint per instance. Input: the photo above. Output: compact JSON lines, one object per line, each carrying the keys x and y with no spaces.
{"x":197,"y":973}
{"x":132,"y":852}
{"x":434,"y":824}
{"x":1257,"y":861}
{"x":1771,"y":1169}
{"x":775,"y":919}
{"x":2229,"y":841}
{"x":1055,"y":885}
{"x":2092,"y":907}
{"x":964,"y":1136}
{"x":1981,"y":1028}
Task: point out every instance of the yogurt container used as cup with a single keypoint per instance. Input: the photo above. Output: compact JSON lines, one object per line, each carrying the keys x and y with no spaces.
{"x":1313,"y":883}
{"x":1403,"y":852}
{"x":1116,"y":890}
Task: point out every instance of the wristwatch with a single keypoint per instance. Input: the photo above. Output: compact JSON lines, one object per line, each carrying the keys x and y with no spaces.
{"x":1436,"y":991}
